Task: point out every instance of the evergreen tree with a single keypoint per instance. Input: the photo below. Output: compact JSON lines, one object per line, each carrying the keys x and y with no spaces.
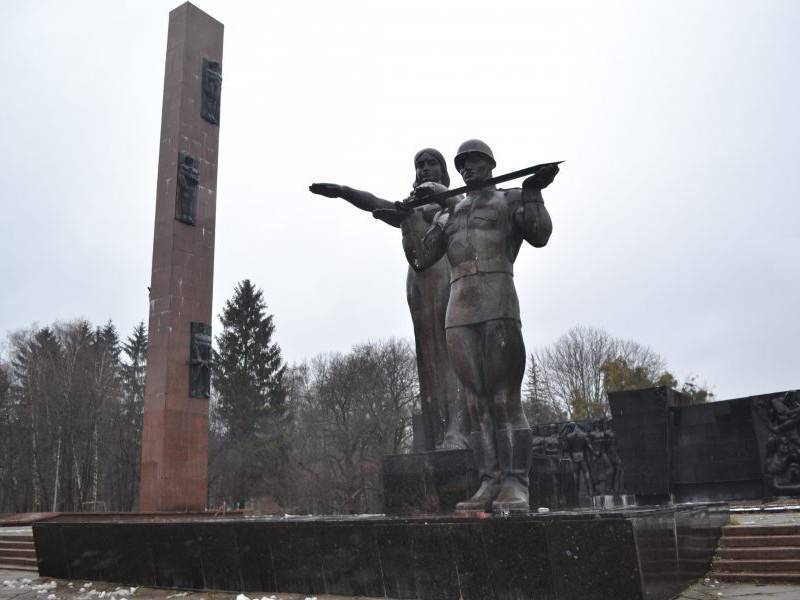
{"x":248,"y":366}
{"x":133,"y":372}
{"x":250,"y":400}
{"x":128,"y":425}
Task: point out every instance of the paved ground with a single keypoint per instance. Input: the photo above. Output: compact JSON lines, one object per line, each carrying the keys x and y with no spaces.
{"x":711,"y":590}
{"x":19,"y":585}
{"x":22,"y":585}
{"x":765,"y":518}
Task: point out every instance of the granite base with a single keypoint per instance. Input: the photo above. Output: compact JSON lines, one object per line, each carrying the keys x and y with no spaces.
{"x":637,"y":554}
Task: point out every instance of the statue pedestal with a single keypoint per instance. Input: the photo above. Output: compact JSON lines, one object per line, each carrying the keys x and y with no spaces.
{"x":428,"y":482}
{"x":634,"y":554}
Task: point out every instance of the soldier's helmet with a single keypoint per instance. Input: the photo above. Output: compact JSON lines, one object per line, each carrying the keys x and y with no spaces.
{"x":469,"y":146}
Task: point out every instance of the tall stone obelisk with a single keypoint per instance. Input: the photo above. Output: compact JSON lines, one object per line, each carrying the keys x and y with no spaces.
{"x":174,"y":472}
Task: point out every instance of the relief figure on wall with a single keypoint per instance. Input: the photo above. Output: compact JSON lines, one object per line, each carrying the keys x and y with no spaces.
{"x":579,"y":450}
{"x":613,"y":455}
{"x":781,"y":416}
{"x":186,"y":190}
{"x":211,"y":92}
{"x":601,"y":469}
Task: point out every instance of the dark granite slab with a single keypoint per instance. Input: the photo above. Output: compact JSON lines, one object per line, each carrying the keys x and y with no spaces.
{"x":674,"y":449}
{"x":428,"y":482}
{"x":636,"y":554}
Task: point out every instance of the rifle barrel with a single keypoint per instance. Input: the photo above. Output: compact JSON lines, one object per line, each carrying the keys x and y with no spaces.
{"x":438,"y":196}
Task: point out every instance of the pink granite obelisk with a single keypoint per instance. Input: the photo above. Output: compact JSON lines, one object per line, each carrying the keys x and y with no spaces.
{"x":174,"y":471}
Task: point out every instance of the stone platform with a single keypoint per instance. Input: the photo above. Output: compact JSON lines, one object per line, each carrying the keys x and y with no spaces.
{"x":645,"y":553}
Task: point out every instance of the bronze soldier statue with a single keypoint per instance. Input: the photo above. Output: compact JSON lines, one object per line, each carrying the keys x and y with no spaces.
{"x":580,"y":449}
{"x":613,"y":455}
{"x":481,"y":233}
{"x":427,"y":293}
{"x":601,"y":468}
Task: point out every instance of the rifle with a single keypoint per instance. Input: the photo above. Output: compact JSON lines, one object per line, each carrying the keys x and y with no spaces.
{"x":438,"y":197}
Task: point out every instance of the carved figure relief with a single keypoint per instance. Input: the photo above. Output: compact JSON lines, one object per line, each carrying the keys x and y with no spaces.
{"x":781,"y":416}
{"x":601,"y":467}
{"x":212,"y":90}
{"x":186,"y":190}
{"x":613,"y":455}
{"x":581,"y":457}
{"x":579,"y":450}
{"x":200,"y":361}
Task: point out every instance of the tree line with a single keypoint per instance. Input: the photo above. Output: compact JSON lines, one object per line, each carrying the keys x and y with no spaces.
{"x":570,"y":379}
{"x":71,"y":400}
{"x":306,"y":438}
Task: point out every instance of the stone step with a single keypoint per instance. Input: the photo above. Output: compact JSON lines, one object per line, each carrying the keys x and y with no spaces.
{"x":763,"y":553}
{"x":7,"y":544}
{"x":18,"y":553}
{"x":760,"y":530}
{"x":756,"y":577}
{"x":738,"y":541}
{"x":5,"y":567}
{"x":16,"y":538}
{"x":19,"y":562}
{"x":757,"y":566}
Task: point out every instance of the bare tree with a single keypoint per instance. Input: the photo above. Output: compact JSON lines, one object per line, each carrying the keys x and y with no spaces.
{"x":351,"y":410}
{"x":571,"y":372}
{"x":64,"y":391}
{"x":538,"y":405}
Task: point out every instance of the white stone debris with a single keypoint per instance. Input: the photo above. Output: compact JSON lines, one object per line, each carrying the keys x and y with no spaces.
{"x":52,"y":597}
{"x":242,"y":597}
{"x":43,"y":588}
{"x":83,"y":589}
{"x":121,"y":591}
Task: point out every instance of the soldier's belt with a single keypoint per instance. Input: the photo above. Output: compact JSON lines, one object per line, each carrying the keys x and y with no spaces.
{"x":473,"y":267}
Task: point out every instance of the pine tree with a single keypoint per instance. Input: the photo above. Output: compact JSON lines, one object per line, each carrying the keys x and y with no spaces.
{"x":251,"y":397}
{"x":248,"y":365}
{"x":131,"y":415}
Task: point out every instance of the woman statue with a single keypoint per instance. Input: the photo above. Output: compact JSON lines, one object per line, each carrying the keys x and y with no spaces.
{"x":443,"y":411}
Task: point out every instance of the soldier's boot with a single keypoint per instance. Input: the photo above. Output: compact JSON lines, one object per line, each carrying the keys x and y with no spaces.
{"x":485,"y":455}
{"x":514,"y":454}
{"x":454,"y":436}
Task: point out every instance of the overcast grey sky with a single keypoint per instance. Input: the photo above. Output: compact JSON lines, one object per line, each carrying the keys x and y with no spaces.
{"x":675,"y":216}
